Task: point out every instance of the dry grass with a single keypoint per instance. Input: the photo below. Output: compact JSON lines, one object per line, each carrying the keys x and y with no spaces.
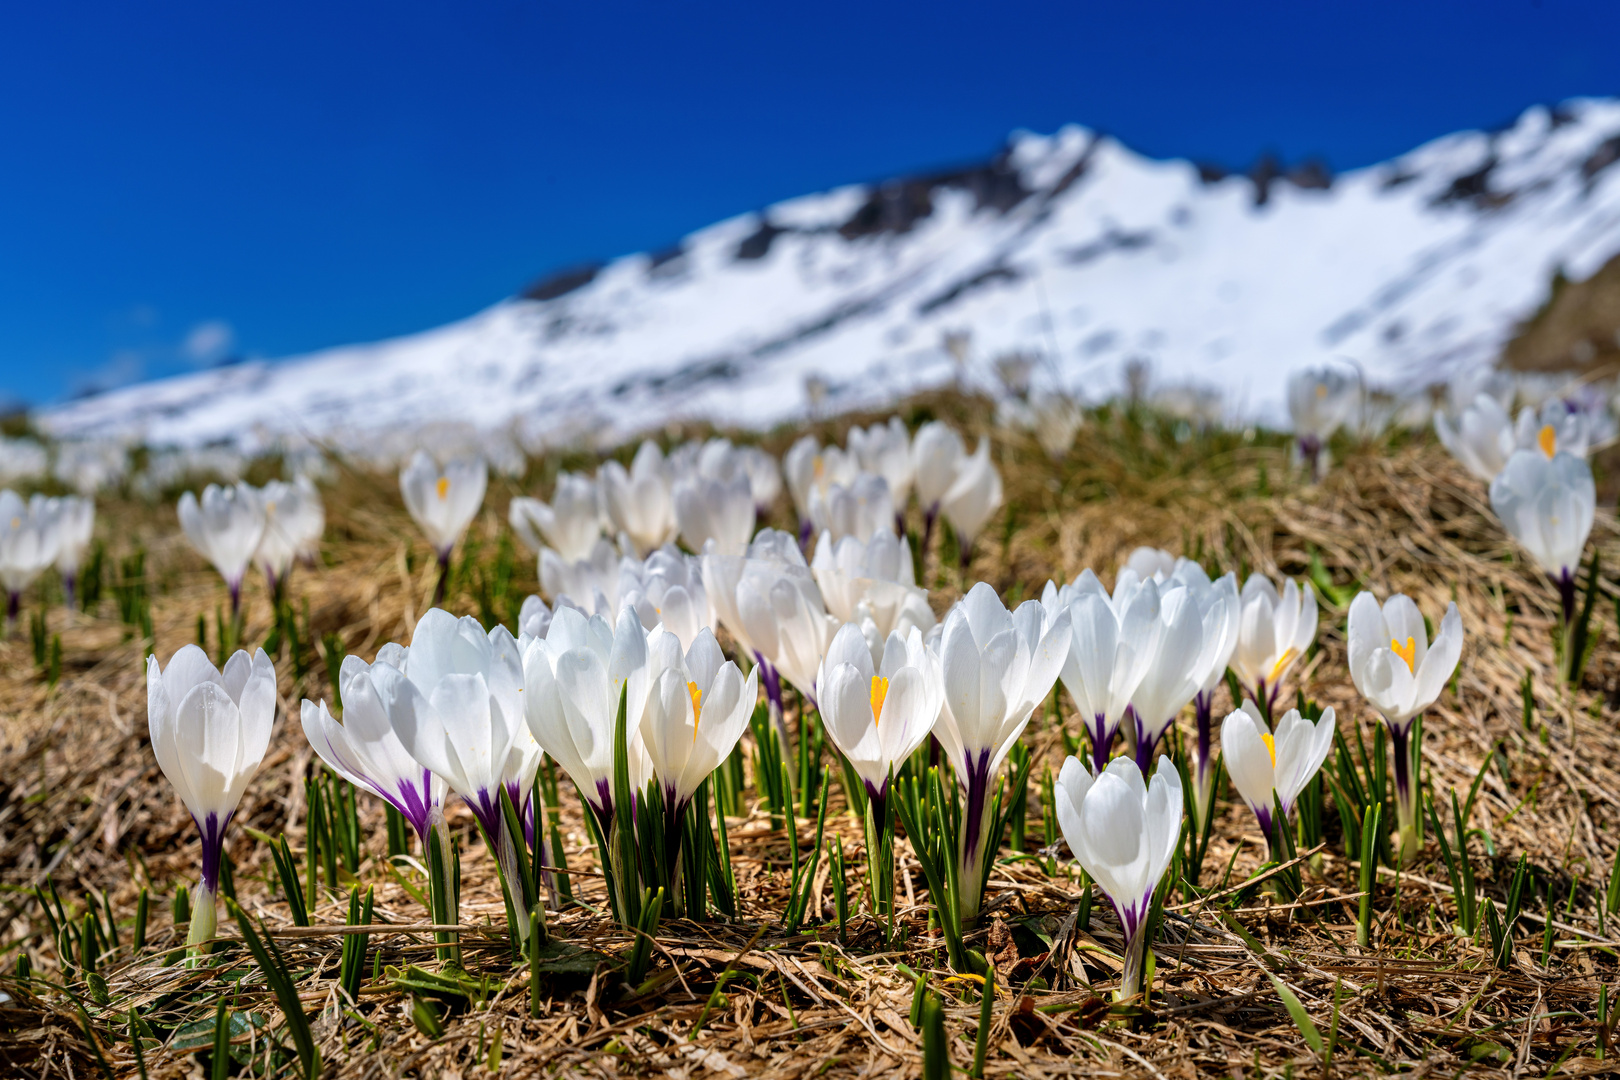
{"x":84,"y":805}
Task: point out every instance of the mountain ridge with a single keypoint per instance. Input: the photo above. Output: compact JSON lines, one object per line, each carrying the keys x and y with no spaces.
{"x":1069,"y":248}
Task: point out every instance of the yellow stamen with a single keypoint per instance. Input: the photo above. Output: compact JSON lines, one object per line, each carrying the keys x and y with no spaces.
{"x":1408,"y":652}
{"x":880,"y":690}
{"x":819,"y":467}
{"x":1548,"y":440}
{"x":16,"y":523}
{"x":444,"y":486}
{"x":697,"y":707}
{"x":1271,"y":744}
{"x":1282,"y":663}
{"x":1321,"y":391}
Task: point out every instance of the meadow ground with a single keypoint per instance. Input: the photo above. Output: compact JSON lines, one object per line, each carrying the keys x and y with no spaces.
{"x":84,"y":806}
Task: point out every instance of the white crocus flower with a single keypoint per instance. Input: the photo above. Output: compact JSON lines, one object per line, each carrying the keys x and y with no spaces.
{"x":1482,"y":438}
{"x":877,"y":715}
{"x":534,"y":619}
{"x":667,"y":590}
{"x":859,"y":509}
{"x":1274,"y":631}
{"x":1124,"y":833}
{"x":720,"y":512}
{"x":593,"y":580}
{"x":998,"y":666}
{"x":1180,"y":657}
{"x":1112,"y":642}
{"x":973,"y":498}
{"x":1320,"y":402}
{"x":459,"y":711}
{"x":1266,"y":767}
{"x":209,"y":731}
{"x":570,"y":523}
{"x":1151,"y":562}
{"x":1401,"y":673}
{"x":443,"y":501}
{"x":1547,"y":505}
{"x":364,"y":749}
{"x":638,"y":500}
{"x":75,"y":518}
{"x":872,"y":581}
{"x":1558,"y":427}
{"x":292,"y":512}
{"x":770,"y":603}
{"x":30,"y":538}
{"x":573,"y":679}
{"x":698,"y":706}
{"x":811,"y":468}
{"x":1056,"y":419}
{"x":462,"y":713}
{"x":764,"y":478}
{"x":225,"y":528}
{"x":1221,"y":611}
{"x":937,"y":453}
{"x":885,"y":450}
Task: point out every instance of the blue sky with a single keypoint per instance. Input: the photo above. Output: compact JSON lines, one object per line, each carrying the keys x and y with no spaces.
{"x":190,"y":182}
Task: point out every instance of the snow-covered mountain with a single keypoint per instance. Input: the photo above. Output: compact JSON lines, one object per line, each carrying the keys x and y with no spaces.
{"x":1069,"y":247}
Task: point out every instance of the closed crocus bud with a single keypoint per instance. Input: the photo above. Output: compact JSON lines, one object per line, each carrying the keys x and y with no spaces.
{"x":1220,"y":610}
{"x":1124,"y":832}
{"x":878,"y":715}
{"x":570,"y":524}
{"x":75,"y":518}
{"x":1056,"y":418}
{"x":858,"y":509}
{"x":311,"y":524}
{"x":1320,"y":402}
{"x":667,"y":590}
{"x":718,"y":512}
{"x":874,"y":577}
{"x":209,"y":731}
{"x":1274,"y":631}
{"x":1269,"y":768}
{"x":637,"y":500}
{"x":225,"y":527}
{"x":1482,"y":438}
{"x":885,"y":450}
{"x":1547,"y":504}
{"x":585,"y":579}
{"x":764,"y":478}
{"x":1112,"y":642}
{"x":998,"y":666}
{"x":936,"y":454}
{"x":289,"y":517}
{"x":364,"y":748}
{"x":973,"y":499}
{"x":572,"y":682}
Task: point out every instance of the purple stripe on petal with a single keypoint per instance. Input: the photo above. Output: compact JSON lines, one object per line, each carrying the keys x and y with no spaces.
{"x":212,"y":829}
{"x":978,"y":791}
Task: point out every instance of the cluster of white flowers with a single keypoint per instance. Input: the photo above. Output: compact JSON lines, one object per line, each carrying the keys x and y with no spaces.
{"x":269,"y":527}
{"x":40,"y":533}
